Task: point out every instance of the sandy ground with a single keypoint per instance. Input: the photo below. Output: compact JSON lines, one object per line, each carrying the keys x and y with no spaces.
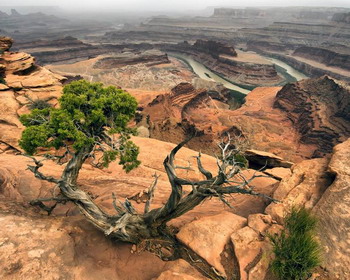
{"x":249,"y":57}
{"x":160,"y":77}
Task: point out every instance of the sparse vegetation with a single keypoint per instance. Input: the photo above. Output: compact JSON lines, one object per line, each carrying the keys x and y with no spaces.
{"x":39,"y":104}
{"x":2,"y":81}
{"x":296,"y":250}
{"x":92,"y":122}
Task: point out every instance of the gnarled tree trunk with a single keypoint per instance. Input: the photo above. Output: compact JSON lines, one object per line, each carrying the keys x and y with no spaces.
{"x":129,"y":225}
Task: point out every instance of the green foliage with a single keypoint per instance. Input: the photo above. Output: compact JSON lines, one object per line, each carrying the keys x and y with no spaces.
{"x":39,"y":104}
{"x":2,"y":81}
{"x":241,"y":161}
{"x":87,"y":114}
{"x":296,"y":251}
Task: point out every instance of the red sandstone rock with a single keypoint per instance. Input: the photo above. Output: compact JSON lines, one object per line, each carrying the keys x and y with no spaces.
{"x":303,"y":188}
{"x":320,"y":111}
{"x":333,"y":211}
{"x":5,"y":43}
{"x":209,"y":235}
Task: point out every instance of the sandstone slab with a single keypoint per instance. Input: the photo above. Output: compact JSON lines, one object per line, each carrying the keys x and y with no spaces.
{"x":208,"y":236}
{"x":304,"y":187}
{"x":333,"y":212}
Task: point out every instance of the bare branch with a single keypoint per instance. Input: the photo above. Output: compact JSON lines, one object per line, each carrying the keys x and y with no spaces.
{"x":116,"y":207}
{"x":40,"y":202}
{"x":206,"y":173}
{"x":129,"y":207}
{"x":37,"y":173}
{"x":150,"y":193}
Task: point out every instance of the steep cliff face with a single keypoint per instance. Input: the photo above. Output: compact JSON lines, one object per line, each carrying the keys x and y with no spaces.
{"x":341,"y":17}
{"x":320,"y":111}
{"x":324,"y":56}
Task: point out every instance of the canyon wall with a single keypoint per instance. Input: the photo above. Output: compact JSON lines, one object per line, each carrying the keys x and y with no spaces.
{"x":327,"y":57}
{"x":320,"y":111}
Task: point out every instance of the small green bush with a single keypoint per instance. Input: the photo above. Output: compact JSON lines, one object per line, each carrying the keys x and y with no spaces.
{"x":2,"y":81}
{"x":39,"y":104}
{"x":296,"y":250}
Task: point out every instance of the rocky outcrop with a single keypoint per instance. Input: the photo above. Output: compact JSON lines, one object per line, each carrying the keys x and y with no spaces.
{"x":169,"y":115}
{"x":18,"y":63}
{"x":333,"y":211}
{"x":236,"y":247}
{"x":24,"y":83}
{"x":322,"y":185}
{"x":5,"y":44}
{"x":34,"y":246}
{"x":269,"y":160}
{"x":319,"y":110}
{"x":214,"y":48}
{"x":327,"y":57}
{"x":304,"y":187}
{"x":201,"y":235}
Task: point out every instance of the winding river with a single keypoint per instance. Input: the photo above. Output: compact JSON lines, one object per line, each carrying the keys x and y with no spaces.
{"x":290,"y":70}
{"x":206,"y":74}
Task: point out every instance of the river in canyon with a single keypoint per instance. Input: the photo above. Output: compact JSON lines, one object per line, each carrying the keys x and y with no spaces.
{"x":203,"y":72}
{"x":290,"y":70}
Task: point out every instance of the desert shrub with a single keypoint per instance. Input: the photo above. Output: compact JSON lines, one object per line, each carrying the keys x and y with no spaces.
{"x":296,"y":250}
{"x":39,"y":104}
{"x":2,"y":81}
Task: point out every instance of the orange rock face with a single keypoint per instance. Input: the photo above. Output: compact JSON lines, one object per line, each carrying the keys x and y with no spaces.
{"x":25,"y":83}
{"x":266,"y":128}
{"x":320,"y":111}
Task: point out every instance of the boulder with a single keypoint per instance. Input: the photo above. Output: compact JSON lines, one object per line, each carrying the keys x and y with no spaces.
{"x":253,"y":252}
{"x":259,"y":222}
{"x":208,"y":236}
{"x":17,"y":62}
{"x":267,"y":159}
{"x":304,"y":187}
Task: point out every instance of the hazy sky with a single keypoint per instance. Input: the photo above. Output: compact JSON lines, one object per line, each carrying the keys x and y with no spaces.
{"x":171,"y":4}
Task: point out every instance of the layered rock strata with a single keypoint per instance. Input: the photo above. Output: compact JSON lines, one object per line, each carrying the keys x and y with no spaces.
{"x":25,"y":82}
{"x":319,"y":110}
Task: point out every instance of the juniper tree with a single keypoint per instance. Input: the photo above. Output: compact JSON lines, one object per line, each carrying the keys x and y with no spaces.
{"x":93,"y":119}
